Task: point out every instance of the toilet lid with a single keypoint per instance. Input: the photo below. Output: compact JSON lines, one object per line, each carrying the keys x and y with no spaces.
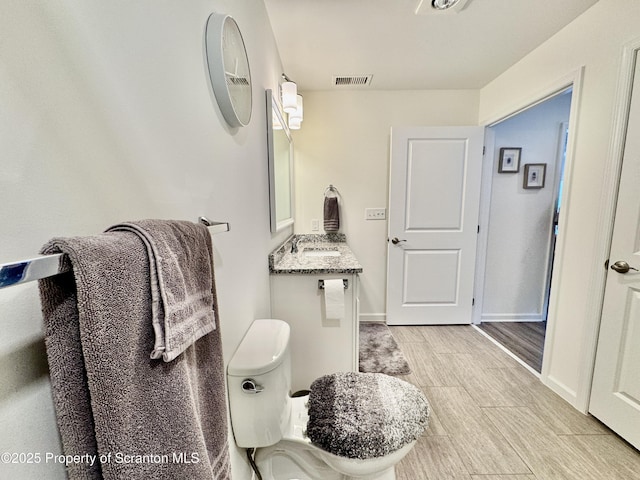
{"x":365,"y":415}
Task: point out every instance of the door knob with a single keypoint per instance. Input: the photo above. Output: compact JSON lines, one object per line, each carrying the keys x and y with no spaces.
{"x":622,"y":267}
{"x":396,"y":241}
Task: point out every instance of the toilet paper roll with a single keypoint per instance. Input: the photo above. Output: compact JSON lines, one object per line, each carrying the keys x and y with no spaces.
{"x":334,"y":299}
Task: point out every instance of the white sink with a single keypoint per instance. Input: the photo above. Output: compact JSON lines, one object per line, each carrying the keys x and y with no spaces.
{"x":321,"y":253}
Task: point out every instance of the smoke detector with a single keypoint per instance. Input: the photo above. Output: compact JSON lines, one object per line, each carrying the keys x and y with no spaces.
{"x":427,"y":7}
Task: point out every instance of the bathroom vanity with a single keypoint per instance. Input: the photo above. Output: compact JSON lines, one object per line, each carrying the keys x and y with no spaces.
{"x":299,"y":268}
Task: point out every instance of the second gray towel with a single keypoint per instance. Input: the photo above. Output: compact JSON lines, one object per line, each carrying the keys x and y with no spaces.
{"x":180,"y":268}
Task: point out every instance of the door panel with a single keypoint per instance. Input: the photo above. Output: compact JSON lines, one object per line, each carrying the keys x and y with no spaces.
{"x":436,"y":174}
{"x":627,"y":381}
{"x":420,"y":288}
{"x":615,"y":393}
{"x":433,"y":211}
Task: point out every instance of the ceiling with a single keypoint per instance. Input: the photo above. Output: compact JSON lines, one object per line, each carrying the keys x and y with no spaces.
{"x":320,"y":39}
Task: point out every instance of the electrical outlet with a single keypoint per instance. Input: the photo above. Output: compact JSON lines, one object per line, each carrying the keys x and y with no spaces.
{"x":315,"y":225}
{"x":375,"y":213}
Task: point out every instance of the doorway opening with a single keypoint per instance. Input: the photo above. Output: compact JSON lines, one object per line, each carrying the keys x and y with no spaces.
{"x":522,"y":211}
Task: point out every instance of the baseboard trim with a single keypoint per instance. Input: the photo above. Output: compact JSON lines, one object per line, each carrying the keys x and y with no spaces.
{"x":511,"y":317}
{"x":372,"y":318}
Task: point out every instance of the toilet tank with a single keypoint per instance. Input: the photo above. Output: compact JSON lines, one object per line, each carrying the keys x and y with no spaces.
{"x":259,"y":382}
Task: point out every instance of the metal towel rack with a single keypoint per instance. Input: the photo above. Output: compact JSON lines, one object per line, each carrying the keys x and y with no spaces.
{"x":332,"y":190}
{"x":45,"y":266}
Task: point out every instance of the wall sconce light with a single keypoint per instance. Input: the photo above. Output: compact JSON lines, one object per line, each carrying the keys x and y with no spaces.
{"x":289,"y":93}
{"x":291,"y":102}
{"x":295,"y":118}
{"x":294,"y":124}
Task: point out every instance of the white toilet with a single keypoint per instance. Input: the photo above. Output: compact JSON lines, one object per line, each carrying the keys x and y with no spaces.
{"x":359,"y":425}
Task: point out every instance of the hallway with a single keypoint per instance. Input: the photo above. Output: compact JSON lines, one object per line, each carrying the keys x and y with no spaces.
{"x":494,"y":420}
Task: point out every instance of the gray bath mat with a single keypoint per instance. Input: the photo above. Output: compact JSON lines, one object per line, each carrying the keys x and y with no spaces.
{"x":379,"y":351}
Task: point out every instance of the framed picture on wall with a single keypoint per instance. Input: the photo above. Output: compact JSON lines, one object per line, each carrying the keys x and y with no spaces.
{"x":534,"y":174}
{"x":509,"y":160}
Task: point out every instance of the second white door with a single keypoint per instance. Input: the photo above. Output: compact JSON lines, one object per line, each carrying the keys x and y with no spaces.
{"x":615,"y":391}
{"x":434,"y":196}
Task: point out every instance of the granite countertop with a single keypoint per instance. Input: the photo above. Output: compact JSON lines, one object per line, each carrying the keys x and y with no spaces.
{"x":282,"y":261}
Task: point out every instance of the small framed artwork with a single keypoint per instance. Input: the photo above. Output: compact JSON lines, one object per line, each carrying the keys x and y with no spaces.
{"x":509,"y":160}
{"x":534,"y":174}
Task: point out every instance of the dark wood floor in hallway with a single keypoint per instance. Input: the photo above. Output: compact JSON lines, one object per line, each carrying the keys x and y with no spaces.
{"x":492,"y":419}
{"x":524,"y":339}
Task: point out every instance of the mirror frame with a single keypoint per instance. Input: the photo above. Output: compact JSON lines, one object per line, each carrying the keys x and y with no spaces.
{"x":273,"y":108}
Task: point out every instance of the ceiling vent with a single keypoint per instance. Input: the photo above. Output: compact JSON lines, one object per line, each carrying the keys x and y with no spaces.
{"x":352,"y":80}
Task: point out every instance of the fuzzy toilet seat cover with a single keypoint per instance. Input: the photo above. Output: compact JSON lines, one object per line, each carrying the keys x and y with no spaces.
{"x":365,"y":415}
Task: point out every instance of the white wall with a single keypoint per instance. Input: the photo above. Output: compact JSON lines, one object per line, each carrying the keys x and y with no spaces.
{"x":520,"y":221}
{"x":106,"y":116}
{"x":594,"y":40}
{"x":344,"y":141}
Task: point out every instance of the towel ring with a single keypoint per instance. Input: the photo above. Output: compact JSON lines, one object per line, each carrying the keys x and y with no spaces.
{"x":332,"y":191}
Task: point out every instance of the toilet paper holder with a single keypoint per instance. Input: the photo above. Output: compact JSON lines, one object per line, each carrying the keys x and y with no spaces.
{"x":345,"y":281}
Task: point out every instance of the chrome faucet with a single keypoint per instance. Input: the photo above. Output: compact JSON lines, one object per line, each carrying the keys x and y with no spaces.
{"x":294,"y":244}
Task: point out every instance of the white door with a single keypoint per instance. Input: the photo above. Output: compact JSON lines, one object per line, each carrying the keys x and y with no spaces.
{"x":615,"y":394}
{"x":434,"y":193}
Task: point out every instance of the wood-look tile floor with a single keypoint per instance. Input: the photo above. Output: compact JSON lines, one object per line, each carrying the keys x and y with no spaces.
{"x":492,"y":419}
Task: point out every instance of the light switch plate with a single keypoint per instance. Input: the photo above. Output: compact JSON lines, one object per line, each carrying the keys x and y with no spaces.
{"x":375,"y":213}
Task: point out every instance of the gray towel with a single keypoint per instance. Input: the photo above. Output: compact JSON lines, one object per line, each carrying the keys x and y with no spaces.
{"x":331,"y":214}
{"x":180,"y":267}
{"x":124,"y":414}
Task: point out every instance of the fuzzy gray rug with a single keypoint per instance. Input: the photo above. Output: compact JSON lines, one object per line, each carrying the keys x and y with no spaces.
{"x":379,"y":351}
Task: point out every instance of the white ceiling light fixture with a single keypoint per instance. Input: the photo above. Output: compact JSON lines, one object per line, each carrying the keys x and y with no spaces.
{"x":443,"y":4}
{"x":426,"y":7}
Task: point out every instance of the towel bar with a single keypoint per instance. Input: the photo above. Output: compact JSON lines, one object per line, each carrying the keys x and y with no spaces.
{"x":214,"y":227}
{"x":345,"y":281}
{"x":45,"y":266}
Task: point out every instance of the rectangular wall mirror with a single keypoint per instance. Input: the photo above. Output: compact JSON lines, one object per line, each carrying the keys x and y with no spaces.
{"x":280,"y":154}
